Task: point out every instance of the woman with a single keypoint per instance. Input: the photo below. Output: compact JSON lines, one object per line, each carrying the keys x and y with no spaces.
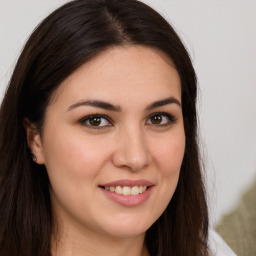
{"x":98,"y":138}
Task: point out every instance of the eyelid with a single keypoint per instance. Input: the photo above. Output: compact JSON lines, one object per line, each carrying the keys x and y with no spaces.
{"x":86,"y":118}
{"x":170,"y":117}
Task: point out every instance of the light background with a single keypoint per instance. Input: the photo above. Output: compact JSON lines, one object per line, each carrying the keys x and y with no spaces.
{"x":221,"y":38}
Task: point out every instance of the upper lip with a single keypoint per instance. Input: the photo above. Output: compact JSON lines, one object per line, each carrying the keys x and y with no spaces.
{"x":128,"y":183}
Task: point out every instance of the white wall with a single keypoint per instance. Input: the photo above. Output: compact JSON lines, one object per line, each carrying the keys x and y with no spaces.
{"x":221,"y":37}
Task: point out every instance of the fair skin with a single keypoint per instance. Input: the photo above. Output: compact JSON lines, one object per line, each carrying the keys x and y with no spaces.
{"x":116,"y":121}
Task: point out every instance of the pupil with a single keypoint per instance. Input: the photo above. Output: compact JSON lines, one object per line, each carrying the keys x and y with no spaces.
{"x":95,"y":121}
{"x":156,"y":119}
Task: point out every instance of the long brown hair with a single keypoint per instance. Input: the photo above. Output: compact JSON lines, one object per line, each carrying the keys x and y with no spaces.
{"x":66,"y":39}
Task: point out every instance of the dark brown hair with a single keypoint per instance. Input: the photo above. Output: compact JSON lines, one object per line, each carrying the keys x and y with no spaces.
{"x":66,"y":39}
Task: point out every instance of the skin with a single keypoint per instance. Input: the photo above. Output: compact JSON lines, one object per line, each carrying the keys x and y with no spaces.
{"x":127,"y":144}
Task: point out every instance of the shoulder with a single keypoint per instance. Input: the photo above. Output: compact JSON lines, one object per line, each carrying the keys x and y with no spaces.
{"x":217,"y":245}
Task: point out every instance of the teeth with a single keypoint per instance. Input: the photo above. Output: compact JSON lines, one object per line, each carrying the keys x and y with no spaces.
{"x":135,"y":190}
{"x":119,"y":190}
{"x":127,"y":191}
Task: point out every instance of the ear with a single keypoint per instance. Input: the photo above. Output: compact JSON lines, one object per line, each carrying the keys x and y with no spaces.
{"x":34,"y":141}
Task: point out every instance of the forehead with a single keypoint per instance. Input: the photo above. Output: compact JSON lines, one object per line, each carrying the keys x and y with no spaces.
{"x":121,"y":73}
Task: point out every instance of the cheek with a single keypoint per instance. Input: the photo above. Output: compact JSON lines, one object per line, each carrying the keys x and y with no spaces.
{"x":73,"y":162}
{"x":74,"y":154}
{"x":169,"y":155}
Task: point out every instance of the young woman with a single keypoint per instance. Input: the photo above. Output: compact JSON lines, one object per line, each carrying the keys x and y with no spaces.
{"x":98,"y":138}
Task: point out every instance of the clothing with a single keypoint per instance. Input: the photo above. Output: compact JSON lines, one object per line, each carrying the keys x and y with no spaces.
{"x":217,"y":245}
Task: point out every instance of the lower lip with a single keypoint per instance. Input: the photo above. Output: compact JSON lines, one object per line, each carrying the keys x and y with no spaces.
{"x":128,"y":200}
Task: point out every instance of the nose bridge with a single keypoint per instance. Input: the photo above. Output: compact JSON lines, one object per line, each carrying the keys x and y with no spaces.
{"x":132,"y":150}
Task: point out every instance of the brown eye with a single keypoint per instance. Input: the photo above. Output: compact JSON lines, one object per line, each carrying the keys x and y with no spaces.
{"x":156,"y":119}
{"x":94,"y":121}
{"x":161,"y":119}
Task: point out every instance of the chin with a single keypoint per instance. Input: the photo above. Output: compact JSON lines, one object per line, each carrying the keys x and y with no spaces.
{"x":128,"y":227}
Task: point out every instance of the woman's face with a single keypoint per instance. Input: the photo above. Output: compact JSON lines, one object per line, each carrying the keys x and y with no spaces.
{"x":113,"y":142}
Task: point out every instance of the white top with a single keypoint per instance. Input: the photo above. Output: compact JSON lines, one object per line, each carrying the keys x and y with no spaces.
{"x":217,"y":245}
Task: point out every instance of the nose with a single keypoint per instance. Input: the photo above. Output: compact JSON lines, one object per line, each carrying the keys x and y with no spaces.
{"x":132,"y":151}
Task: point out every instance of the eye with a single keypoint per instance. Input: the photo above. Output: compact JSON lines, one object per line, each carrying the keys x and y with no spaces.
{"x":96,"y":121}
{"x":160,"y":119}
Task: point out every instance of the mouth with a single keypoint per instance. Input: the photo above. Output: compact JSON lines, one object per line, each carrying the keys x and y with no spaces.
{"x":128,"y":193}
{"x":126,"y":190}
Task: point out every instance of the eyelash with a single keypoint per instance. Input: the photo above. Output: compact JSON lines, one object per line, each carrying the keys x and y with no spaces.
{"x":85,"y":121}
{"x":171,"y":118}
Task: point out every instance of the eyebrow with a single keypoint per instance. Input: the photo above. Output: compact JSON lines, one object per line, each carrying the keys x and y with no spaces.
{"x":163,"y":102}
{"x":97,"y":104}
{"x":111,"y":107}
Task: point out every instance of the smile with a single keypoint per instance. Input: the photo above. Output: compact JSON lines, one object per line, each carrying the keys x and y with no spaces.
{"x":126,"y":190}
{"x":128,"y":193}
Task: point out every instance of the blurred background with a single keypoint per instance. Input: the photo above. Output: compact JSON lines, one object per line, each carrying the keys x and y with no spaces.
{"x":220,"y":36}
